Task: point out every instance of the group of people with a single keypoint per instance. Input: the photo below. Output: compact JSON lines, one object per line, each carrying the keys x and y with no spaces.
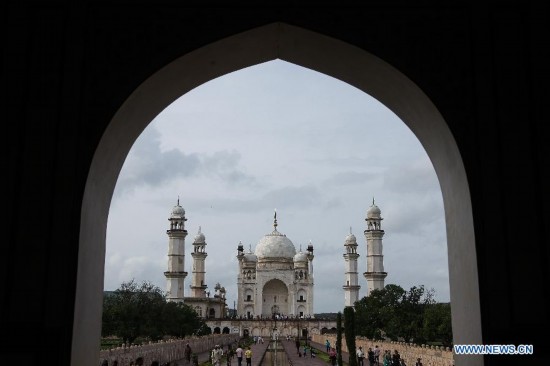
{"x":258,"y":340}
{"x":373,"y":356}
{"x":388,"y":358}
{"x":312,"y":352}
{"x":394,"y":359}
{"x":217,"y":354}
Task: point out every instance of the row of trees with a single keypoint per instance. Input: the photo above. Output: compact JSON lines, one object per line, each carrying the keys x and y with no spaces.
{"x":399,"y":315}
{"x":141,"y":310}
{"x":411,"y":316}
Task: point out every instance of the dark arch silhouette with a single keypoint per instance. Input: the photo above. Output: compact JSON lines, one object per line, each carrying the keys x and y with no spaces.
{"x":317,"y":52}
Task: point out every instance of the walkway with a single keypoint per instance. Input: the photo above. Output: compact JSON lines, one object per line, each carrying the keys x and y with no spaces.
{"x":296,"y":360}
{"x":258,"y":350}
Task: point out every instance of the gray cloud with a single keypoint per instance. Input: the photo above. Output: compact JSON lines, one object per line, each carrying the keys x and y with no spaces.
{"x":417,"y":177}
{"x":148,"y":165}
{"x":288,"y":197}
{"x":351,"y":178}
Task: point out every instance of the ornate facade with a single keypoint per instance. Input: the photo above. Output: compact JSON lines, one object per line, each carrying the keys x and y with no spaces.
{"x":275,"y":280}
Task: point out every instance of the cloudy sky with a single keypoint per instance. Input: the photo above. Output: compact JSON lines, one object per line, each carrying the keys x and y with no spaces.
{"x":278,"y":136}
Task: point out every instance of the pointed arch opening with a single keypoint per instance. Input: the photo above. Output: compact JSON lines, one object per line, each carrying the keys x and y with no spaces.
{"x":304,"y":48}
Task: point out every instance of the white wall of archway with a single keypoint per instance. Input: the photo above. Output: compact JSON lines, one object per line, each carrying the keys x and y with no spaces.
{"x":304,"y":48}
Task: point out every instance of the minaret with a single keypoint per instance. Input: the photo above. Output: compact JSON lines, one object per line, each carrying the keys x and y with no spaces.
{"x":240,"y":279}
{"x":351,"y":288}
{"x":375,"y":274}
{"x":175,"y":275}
{"x":198,"y":287}
{"x":310,"y":257}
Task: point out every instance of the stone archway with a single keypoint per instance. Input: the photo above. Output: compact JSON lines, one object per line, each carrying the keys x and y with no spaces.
{"x":308,"y":49}
{"x":274,"y":298}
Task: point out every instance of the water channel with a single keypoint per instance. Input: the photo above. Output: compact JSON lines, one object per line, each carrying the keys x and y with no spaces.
{"x":275,"y":355}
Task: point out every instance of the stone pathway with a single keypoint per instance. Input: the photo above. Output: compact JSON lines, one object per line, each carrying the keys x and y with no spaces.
{"x":258,"y":350}
{"x":296,"y":360}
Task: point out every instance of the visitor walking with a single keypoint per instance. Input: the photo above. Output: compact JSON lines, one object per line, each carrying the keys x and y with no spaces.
{"x":387,"y":358}
{"x":248,"y":356}
{"x":360,"y":356}
{"x":332,"y":356}
{"x":396,"y":358}
{"x":377,"y":355}
{"x":370,"y":356}
{"x":216,"y":355}
{"x":239,"y":353}
{"x":229,"y":355}
{"x":187,"y":354}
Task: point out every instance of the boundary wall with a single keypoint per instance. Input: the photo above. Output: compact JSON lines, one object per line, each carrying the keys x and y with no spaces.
{"x":430,"y":355}
{"x":164,"y":351}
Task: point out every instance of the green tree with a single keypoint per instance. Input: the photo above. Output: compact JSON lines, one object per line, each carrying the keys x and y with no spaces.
{"x":349,"y":328}
{"x":109,"y":320}
{"x":180,"y":320}
{"x":394,"y":313}
{"x":203,"y":330}
{"x":133,"y":310}
{"x":141,"y":310}
{"x":339,"y":339}
{"x":378,"y":313}
{"x":437,"y":324}
{"x":369,"y":321}
{"x":150,"y":304}
{"x":412,"y":307}
{"x":391,"y":313}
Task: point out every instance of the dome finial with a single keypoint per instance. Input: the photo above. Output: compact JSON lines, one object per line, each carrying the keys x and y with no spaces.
{"x":373,"y":200}
{"x":199,"y":229}
{"x":178,"y":199}
{"x":275,"y":220}
{"x":350,"y":230}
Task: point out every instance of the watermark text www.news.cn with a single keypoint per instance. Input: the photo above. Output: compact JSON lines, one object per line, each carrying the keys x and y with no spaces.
{"x":493,"y":349}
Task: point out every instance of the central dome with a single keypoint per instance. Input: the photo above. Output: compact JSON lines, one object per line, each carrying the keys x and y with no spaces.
{"x":275,"y":245}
